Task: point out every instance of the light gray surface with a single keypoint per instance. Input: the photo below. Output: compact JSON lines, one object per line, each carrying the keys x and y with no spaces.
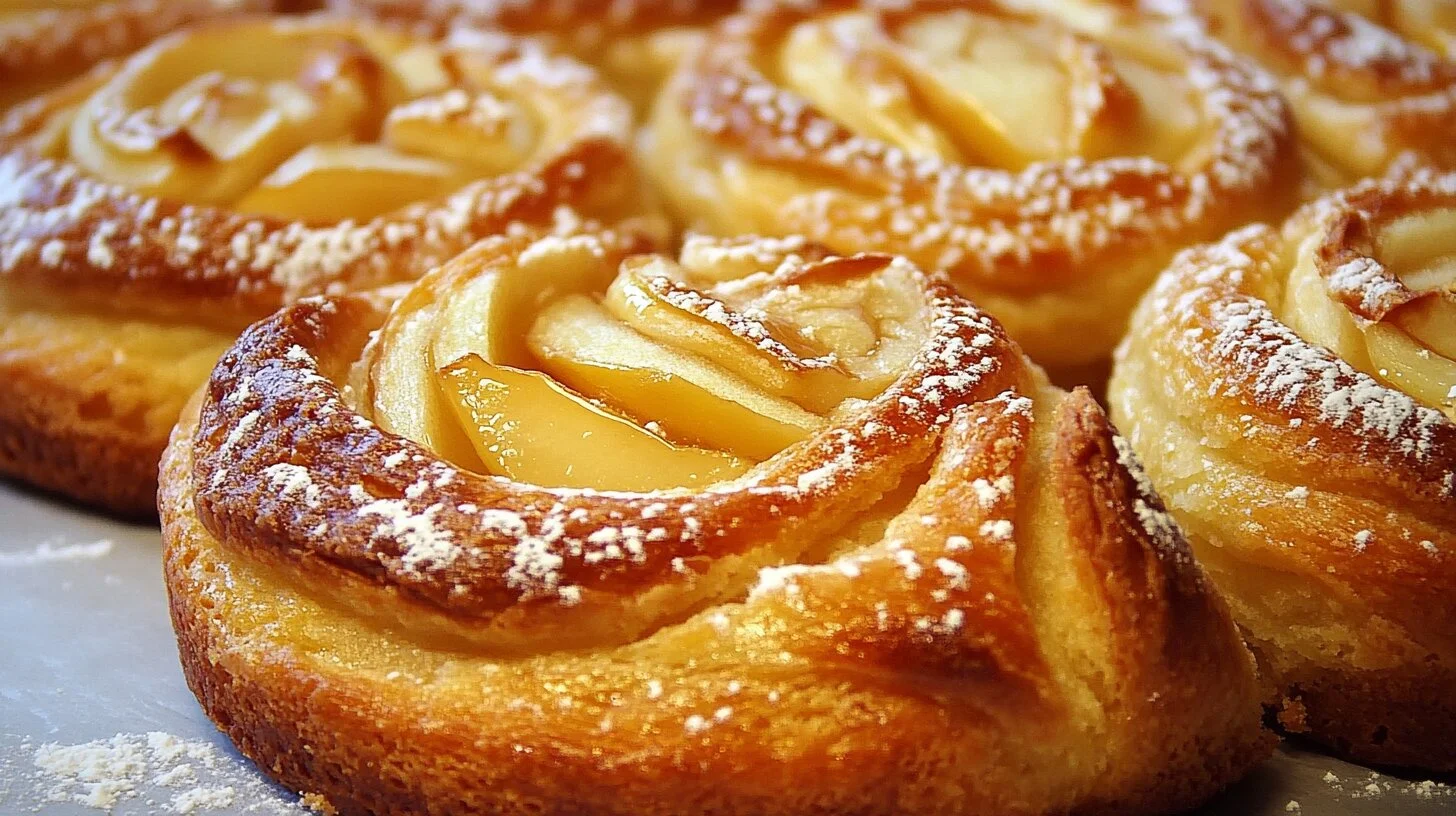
{"x":86,"y":652}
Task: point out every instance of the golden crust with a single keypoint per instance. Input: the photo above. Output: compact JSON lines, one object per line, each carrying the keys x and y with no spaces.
{"x":636,"y":43}
{"x":1320,"y":496}
{"x":1060,"y":249}
{"x":1368,"y":92}
{"x":90,"y":260}
{"x":1030,"y":635}
{"x":43,"y":48}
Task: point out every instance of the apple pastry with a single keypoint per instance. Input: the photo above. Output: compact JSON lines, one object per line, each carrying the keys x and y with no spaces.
{"x":756,"y":530}
{"x":1293,"y":392}
{"x":151,"y":210}
{"x":1372,"y":82}
{"x":43,"y":43}
{"x":635,"y":43}
{"x":1052,"y":156}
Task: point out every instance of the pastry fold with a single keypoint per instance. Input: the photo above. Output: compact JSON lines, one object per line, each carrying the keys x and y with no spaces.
{"x":1372,"y":84}
{"x":635,"y":43}
{"x":1292,"y":391}
{"x":405,"y":578}
{"x":44,"y":44}
{"x":154,"y":208}
{"x":1051,"y":156}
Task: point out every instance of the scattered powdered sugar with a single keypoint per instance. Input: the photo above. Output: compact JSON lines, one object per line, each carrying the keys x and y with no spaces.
{"x":154,"y":772}
{"x":48,"y":552}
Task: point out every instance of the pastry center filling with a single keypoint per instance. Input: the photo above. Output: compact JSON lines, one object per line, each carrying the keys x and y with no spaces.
{"x":1391,"y":313}
{"x":1431,"y":23}
{"x":998,"y":90}
{"x":667,"y":374}
{"x":297,"y":120}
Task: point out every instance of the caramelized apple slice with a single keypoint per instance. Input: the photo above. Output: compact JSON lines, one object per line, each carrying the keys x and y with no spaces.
{"x":1410,"y":367}
{"x":358,"y":181}
{"x":527,"y":427}
{"x":839,"y":66}
{"x":490,"y":314}
{"x":983,"y":76}
{"x":581,"y":344}
{"x":645,"y":297}
{"x":490,"y":133}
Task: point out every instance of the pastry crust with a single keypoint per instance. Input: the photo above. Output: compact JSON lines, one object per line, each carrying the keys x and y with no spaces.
{"x":1291,"y":391}
{"x":855,"y":124}
{"x":111,"y":293}
{"x":1372,"y":85}
{"x":42,"y":47}
{"x":635,"y":43}
{"x":1027,"y":633}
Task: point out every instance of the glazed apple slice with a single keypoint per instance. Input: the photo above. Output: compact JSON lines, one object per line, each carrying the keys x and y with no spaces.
{"x":645,"y":297}
{"x":482,"y":304}
{"x":358,"y":181}
{"x":529,"y":428}
{"x":580,"y":343}
{"x":491,"y":133}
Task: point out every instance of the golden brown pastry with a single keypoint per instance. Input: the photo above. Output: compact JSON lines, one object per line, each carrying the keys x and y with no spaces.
{"x":635,"y":43}
{"x":43,"y":43}
{"x":1292,"y":393}
{"x":1051,"y":156}
{"x":755,"y":531}
{"x":1371,"y":82}
{"x":151,"y":211}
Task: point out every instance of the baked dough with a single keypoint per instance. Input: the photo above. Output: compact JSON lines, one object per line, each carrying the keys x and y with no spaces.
{"x":1372,"y":83}
{"x":952,"y":594}
{"x":1292,"y":391}
{"x":1051,"y":155}
{"x":151,"y":210}
{"x":44,"y":43}
{"x":635,"y":43}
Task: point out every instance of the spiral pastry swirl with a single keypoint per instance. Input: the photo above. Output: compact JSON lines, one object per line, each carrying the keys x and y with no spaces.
{"x":1297,"y":388}
{"x":909,"y":576}
{"x":44,"y":43}
{"x":1051,"y":156}
{"x":1372,"y":82}
{"x":635,"y":43}
{"x":150,"y":211}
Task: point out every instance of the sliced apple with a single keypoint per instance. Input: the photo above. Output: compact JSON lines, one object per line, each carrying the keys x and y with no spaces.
{"x":529,"y":428}
{"x":491,"y":313}
{"x":580,"y":343}
{"x":838,"y":65}
{"x":989,"y":80}
{"x":491,"y":133}
{"x":330,"y":182}
{"x":780,"y":362}
{"x":1411,"y":367}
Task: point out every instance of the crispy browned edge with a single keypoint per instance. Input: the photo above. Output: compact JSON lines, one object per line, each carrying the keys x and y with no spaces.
{"x":1402,"y":716}
{"x":46,"y":441}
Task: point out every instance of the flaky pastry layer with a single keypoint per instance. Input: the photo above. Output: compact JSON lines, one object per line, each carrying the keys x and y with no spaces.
{"x":1291,"y":390}
{"x":1052,"y":157}
{"x":956,"y":596}
{"x":128,"y":209}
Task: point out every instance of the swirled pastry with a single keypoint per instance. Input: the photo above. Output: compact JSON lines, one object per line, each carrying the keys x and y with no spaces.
{"x":1051,"y":156}
{"x":43,"y":43}
{"x":635,"y":43}
{"x":754,"y":531}
{"x":149,"y":212}
{"x":1371,"y":82}
{"x":1292,"y":393}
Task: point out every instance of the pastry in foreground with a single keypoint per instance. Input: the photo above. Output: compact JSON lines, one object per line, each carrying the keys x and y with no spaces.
{"x":1052,"y":156}
{"x":43,"y":44}
{"x":1371,"y":83}
{"x":755,"y":531}
{"x":151,"y":211}
{"x":635,"y":43}
{"x":1292,"y":394}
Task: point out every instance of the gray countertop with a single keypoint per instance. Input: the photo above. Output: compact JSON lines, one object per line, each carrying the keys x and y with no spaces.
{"x":94,"y":712}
